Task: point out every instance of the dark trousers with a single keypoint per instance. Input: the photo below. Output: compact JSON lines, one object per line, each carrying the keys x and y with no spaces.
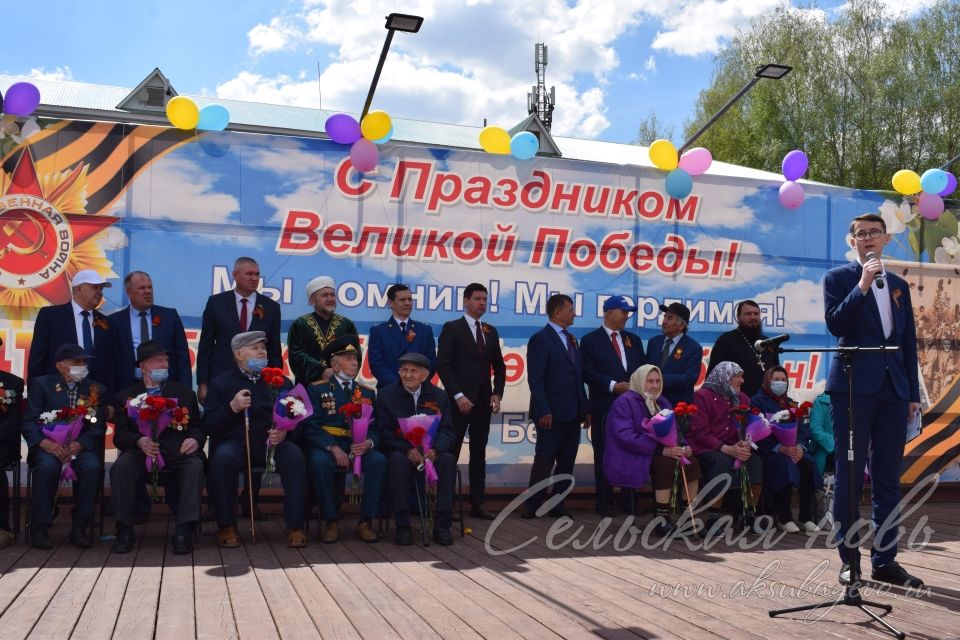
{"x":4,"y":501}
{"x":555,"y":453}
{"x":46,"y":479}
{"x":880,"y":420}
{"x":226,"y":462}
{"x":323,"y":470}
{"x":598,"y":435}
{"x":477,"y":424}
{"x":399,"y":473}
{"x":127,"y":474}
{"x":782,"y":497}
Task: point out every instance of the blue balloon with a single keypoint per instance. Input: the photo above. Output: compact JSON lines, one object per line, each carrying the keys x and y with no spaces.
{"x":213,"y":117}
{"x":933,"y":181}
{"x":386,"y":137}
{"x":524,"y":145}
{"x":679,"y":184}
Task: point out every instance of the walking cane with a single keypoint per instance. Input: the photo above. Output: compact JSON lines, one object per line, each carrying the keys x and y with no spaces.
{"x":686,"y":491}
{"x":246,"y":442}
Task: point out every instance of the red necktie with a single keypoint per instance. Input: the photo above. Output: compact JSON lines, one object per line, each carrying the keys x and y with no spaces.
{"x":243,"y":315}
{"x":616,"y":345}
{"x":480,"y":343}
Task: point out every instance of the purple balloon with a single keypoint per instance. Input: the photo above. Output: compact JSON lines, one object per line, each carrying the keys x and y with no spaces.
{"x":343,"y":128}
{"x":795,"y":165}
{"x":22,"y":99}
{"x":930,"y":206}
{"x":364,"y":155}
{"x":951,"y":185}
{"x":791,"y":195}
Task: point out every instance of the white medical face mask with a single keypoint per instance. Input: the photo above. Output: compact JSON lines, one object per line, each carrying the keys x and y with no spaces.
{"x":80,"y":372}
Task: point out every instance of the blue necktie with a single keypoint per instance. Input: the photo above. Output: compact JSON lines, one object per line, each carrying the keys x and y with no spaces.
{"x":87,"y":334}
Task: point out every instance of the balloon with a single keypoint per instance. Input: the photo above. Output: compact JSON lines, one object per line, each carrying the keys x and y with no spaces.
{"x":933,"y":181}
{"x":342,"y":128}
{"x":679,"y":184}
{"x":696,"y":161}
{"x":1,"y":101}
{"x":930,"y":206}
{"x":951,"y":185}
{"x":795,"y":165}
{"x":495,"y":139}
{"x":214,"y":117}
{"x":524,"y":145}
{"x":376,"y":125}
{"x":364,"y":155}
{"x":182,"y":112}
{"x":906,"y":182}
{"x":22,"y":99}
{"x":663,"y":155}
{"x":386,"y":137}
{"x":791,"y":195}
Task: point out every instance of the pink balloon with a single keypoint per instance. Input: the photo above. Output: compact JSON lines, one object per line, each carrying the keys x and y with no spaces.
{"x":364,"y":155}
{"x":930,"y":206}
{"x":791,"y":195}
{"x":696,"y":161}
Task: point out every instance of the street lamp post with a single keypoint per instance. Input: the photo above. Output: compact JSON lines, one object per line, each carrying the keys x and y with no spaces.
{"x":395,"y":22}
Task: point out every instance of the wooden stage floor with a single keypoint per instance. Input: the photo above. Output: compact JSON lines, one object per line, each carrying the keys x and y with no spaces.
{"x":381,"y":591}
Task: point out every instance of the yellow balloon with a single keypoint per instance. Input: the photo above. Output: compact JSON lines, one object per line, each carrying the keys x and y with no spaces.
{"x":183,"y":113}
{"x":906,"y":182}
{"x":495,"y":139}
{"x":663,"y":155}
{"x":376,"y":125}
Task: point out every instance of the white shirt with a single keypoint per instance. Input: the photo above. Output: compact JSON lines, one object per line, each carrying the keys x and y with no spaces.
{"x":882,"y":296}
{"x":398,"y":321}
{"x":251,"y":303}
{"x":623,"y":351}
{"x":78,"y":322}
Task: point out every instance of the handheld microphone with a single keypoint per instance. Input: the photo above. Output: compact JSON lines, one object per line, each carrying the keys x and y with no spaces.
{"x":776,"y":341}
{"x":879,"y":278}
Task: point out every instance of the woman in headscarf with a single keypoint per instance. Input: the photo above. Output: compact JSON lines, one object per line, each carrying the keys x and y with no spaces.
{"x":632,"y":455}
{"x":716,"y":438}
{"x":785,"y":467}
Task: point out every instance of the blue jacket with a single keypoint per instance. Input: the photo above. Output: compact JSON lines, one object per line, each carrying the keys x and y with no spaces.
{"x":387,"y":344}
{"x":601,"y":366}
{"x":221,"y":322}
{"x":49,"y":393}
{"x":556,"y":383}
{"x":682,"y":369}
{"x":55,"y":326}
{"x":854,"y":318}
{"x":165,"y":326}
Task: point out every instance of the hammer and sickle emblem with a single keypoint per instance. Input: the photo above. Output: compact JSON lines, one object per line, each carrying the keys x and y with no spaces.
{"x":11,"y":231}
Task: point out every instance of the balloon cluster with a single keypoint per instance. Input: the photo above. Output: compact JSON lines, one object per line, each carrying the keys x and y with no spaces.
{"x":184,"y":114}
{"x":363,"y":137}
{"x":22,"y":99}
{"x":522,"y":146}
{"x":932,"y":186}
{"x":794,"y":167}
{"x":681,"y":169}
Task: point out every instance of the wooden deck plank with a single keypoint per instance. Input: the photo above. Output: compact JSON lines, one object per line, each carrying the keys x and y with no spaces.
{"x":177,"y":608}
{"x":212,"y":597}
{"x":136,"y":617}
{"x":99,"y":616}
{"x":250,"y":609}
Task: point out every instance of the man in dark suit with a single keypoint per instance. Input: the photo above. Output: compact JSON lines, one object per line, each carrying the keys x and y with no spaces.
{"x":467,"y":350}
{"x":886,"y":391}
{"x":736,"y":345}
{"x":679,"y":356}
{"x":140,"y":321}
{"x":399,"y":335}
{"x":231,"y":312}
{"x":11,"y":416}
{"x":70,"y":388}
{"x":558,"y":401}
{"x":76,"y":322}
{"x":180,"y":445}
{"x":610,"y":356}
{"x":414,"y":394}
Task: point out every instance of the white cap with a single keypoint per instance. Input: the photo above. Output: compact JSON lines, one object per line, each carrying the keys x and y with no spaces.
{"x":320,"y":282}
{"x":89,"y":276}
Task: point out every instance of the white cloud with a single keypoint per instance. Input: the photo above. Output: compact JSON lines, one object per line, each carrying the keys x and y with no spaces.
{"x":650,"y":64}
{"x":59,"y":74}
{"x":633,"y":75}
{"x":279,"y":35}
{"x":804,"y":303}
{"x":701,"y":27}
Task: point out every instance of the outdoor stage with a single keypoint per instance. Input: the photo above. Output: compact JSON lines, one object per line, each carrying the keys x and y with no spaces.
{"x":351,"y":589}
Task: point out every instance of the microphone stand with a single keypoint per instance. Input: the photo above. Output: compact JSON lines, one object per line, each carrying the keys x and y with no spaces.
{"x":851,"y":596}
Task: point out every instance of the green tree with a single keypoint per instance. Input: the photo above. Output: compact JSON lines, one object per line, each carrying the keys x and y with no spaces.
{"x":652,"y":128}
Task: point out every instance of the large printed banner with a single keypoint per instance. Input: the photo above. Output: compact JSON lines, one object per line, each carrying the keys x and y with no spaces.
{"x":182,"y":207}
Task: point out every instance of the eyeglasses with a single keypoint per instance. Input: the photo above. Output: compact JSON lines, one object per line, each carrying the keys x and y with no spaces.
{"x":873,"y":234}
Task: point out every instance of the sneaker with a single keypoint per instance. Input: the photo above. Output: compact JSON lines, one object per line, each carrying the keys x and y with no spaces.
{"x":789,"y":526}
{"x":844,"y":576}
{"x":895,"y":574}
{"x":810,"y":527}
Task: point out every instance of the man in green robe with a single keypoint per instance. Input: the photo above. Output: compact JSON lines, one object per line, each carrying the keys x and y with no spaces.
{"x":312,"y":332}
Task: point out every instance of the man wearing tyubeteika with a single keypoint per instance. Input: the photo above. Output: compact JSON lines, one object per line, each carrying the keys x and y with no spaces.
{"x":415,"y":396}
{"x":342,"y":429}
{"x":236,"y":393}
{"x":157,"y":425}
{"x":64,"y":428}
{"x":310,"y":334}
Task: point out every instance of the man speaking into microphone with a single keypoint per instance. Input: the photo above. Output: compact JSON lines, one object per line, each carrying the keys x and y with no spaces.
{"x":865,"y":307}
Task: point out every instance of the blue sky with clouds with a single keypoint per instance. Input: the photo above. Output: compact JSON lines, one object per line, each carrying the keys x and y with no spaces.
{"x":611,"y":61}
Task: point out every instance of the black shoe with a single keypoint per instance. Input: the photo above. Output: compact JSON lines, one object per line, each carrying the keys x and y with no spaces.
{"x":124,"y":541}
{"x":442,"y":537}
{"x":40,"y":538}
{"x":895,"y":574}
{"x":79,"y":536}
{"x":478,"y":511}
{"x":182,"y":545}
{"x":664,"y":528}
{"x":404,"y":536}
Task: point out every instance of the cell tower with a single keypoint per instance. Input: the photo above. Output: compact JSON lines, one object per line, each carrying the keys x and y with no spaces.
{"x":538,"y":101}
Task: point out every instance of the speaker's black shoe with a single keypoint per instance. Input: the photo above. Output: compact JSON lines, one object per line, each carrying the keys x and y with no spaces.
{"x":124,"y":540}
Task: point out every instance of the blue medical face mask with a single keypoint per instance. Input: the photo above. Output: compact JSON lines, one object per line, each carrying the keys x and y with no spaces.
{"x":778,"y":387}
{"x":160,"y":375}
{"x":256,"y":364}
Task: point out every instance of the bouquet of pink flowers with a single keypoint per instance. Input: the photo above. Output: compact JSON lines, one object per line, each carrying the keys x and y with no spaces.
{"x":152,"y":414}
{"x":291,"y":408}
{"x":63,"y":427}
{"x":420,"y":430}
{"x":783,"y":424}
{"x":663,"y":428}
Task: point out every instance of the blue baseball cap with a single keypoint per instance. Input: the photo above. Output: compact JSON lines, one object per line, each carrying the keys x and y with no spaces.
{"x":618,"y":302}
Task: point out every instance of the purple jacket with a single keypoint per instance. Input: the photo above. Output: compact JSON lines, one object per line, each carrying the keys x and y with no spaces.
{"x":712,"y":426}
{"x":628,"y":449}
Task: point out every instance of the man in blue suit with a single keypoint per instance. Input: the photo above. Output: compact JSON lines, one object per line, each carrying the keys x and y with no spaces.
{"x":866,"y":307}
{"x":558,"y":401}
{"x":139,"y":322}
{"x":399,"y":335}
{"x":610,"y":356}
{"x":76,"y":322}
{"x":677,"y":354}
